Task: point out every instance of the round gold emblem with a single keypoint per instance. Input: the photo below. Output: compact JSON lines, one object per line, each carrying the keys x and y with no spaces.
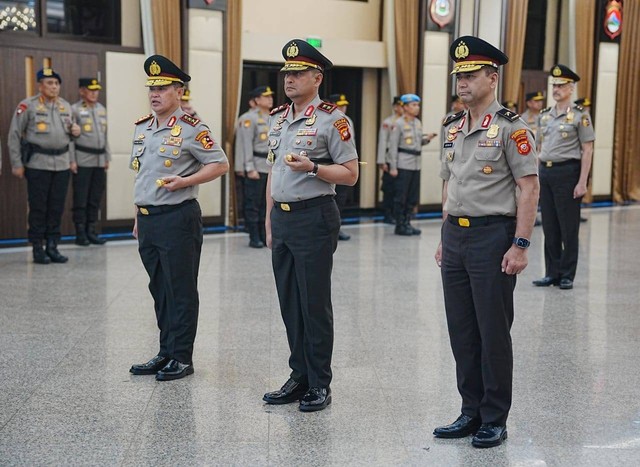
{"x":160,"y":182}
{"x":556,"y":71}
{"x":408,"y":140}
{"x":175,"y":152}
{"x":487,"y":169}
{"x":162,"y":149}
{"x":154,"y":68}
{"x":168,"y":163}
{"x":263,"y":136}
{"x":87,"y":127}
{"x":462,"y":51}
{"x":176,"y":130}
{"x":41,"y":126}
{"x":292,"y":50}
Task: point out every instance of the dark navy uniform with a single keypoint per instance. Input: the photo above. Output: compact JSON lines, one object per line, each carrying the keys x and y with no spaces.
{"x":170,"y":222}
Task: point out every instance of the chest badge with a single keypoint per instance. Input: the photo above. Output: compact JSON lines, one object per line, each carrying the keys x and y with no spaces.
{"x":492,"y":132}
{"x":570,"y":117}
{"x":311,"y":120}
{"x":135,"y":165}
{"x":176,"y":130}
{"x":408,"y":140}
{"x":41,"y":126}
{"x":271,"y":157}
{"x":450,"y":156}
{"x":87,"y":127}
{"x":453,"y":133}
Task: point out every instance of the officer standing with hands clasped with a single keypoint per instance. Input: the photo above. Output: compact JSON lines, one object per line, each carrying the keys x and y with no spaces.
{"x":89,"y":161}
{"x":172,"y":154}
{"x":566,"y":148}
{"x":488,"y":153}
{"x":39,"y":138}
{"x":311,"y":149}
{"x":387,"y":186}
{"x":251,"y":151}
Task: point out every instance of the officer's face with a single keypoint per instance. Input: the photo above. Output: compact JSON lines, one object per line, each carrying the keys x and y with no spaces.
{"x":562,"y":92}
{"x":475,"y":86}
{"x":412,"y":108}
{"x":49,"y":87}
{"x":90,"y":96}
{"x":534,"y":106}
{"x":264,"y":102}
{"x":302,"y":84}
{"x":164,"y":99}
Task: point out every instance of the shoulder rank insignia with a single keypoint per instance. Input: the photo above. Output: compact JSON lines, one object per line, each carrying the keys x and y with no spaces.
{"x":545,"y":110}
{"x":143,"y":119}
{"x":190,"y":120}
{"x":579,"y":107}
{"x":452,"y":118}
{"x":511,"y":116}
{"x":278,"y":109}
{"x":327,"y":107}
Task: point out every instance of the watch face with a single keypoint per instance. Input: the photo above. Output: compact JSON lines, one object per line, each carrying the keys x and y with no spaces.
{"x":522,"y":242}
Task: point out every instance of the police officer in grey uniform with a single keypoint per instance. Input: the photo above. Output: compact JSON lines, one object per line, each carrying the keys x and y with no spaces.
{"x":251,"y":149}
{"x":566,"y":148}
{"x":172,"y":154}
{"x":405,"y":151}
{"x":388,"y":183}
{"x":534,"y":106}
{"x":89,"y":161}
{"x":312,"y":150}
{"x":39,"y":146}
{"x":488,"y":153}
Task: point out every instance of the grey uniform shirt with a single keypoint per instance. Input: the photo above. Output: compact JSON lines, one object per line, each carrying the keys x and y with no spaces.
{"x":405,"y":134}
{"x":383,"y":139}
{"x":180,"y":146}
{"x":45,"y":124}
{"x":252,"y":139}
{"x":322,"y":133}
{"x":93,"y":127}
{"x":482,"y":164}
{"x":561,"y":135}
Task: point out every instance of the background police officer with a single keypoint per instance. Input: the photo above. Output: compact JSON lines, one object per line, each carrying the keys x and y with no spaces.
{"x":172,"y":154}
{"x":186,"y":105}
{"x":251,"y":149}
{"x":312,"y":150}
{"x":566,"y":148}
{"x":39,"y":137}
{"x":382,"y":160}
{"x":534,"y":102}
{"x":487,"y":153}
{"x":89,"y":161}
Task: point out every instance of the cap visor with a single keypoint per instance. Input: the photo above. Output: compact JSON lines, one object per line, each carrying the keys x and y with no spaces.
{"x":462,"y":68}
{"x":268,"y":93}
{"x":537,"y":98}
{"x":94,"y":87}
{"x":294,"y":67}
{"x":161,"y":81}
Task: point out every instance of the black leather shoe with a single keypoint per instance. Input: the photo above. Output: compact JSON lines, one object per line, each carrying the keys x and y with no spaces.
{"x":154,"y":365}
{"x":489,"y":435}
{"x":414,"y":231}
{"x":92,"y":235}
{"x":343,"y":236}
{"x":39,"y":256}
{"x":292,"y":391}
{"x":566,"y":284}
{"x":53,"y":253}
{"x":463,"y":426}
{"x":315,"y":399}
{"x":546,"y":282}
{"x":403,"y":229}
{"x":174,"y":370}
{"x":256,"y":244}
{"x":81,"y":235}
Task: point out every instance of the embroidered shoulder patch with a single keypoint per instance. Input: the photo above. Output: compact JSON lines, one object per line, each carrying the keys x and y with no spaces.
{"x":190,"y":120}
{"x":327,"y":107}
{"x":522,"y":141}
{"x":144,"y":119}
{"x":205,"y":139}
{"x":452,"y":118}
{"x":278,"y":109}
{"x":342,"y":125}
{"x":511,"y":116}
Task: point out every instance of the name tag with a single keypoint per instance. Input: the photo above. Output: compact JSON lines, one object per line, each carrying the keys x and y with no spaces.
{"x":494,"y":143}
{"x":307,"y":132}
{"x":448,"y":144}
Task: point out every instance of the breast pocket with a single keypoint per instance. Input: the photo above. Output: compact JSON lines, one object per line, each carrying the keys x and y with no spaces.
{"x":169,"y":154}
{"x":305,"y":143}
{"x":488,"y":154}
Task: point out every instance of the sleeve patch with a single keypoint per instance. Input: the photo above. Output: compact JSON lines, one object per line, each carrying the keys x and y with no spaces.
{"x":205,"y":139}
{"x":190,"y":120}
{"x":342,"y":125}
{"x":326,"y":107}
{"x":522,"y":141}
{"x":143,"y":119}
{"x":21,"y":108}
{"x":585,"y":120}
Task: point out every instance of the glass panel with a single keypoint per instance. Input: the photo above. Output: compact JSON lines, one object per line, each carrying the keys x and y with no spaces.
{"x":17,"y":15}
{"x":89,"y":19}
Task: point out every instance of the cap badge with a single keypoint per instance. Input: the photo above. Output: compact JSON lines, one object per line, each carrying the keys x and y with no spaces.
{"x":462,"y":51}
{"x":154,"y":68}
{"x":556,"y":71}
{"x":47,"y":72}
{"x":292,"y":50}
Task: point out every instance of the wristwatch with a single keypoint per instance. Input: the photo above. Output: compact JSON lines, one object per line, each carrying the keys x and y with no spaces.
{"x":314,"y":171}
{"x":521,"y":242}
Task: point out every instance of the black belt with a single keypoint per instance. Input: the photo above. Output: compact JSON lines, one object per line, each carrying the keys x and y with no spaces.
{"x":153,"y":210}
{"x":478,"y":221}
{"x":49,"y":152}
{"x":549,"y":164}
{"x":413,"y":152}
{"x":307,"y":203}
{"x":96,"y":151}
{"x":262,"y":155}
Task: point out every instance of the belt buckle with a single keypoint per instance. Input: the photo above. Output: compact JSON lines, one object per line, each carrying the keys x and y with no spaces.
{"x":144,"y":211}
{"x":549,"y":164}
{"x":285,"y":207}
{"x":463,"y":222}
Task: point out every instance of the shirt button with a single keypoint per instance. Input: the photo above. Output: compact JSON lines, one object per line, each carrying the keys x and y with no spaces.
{"x":459,"y":204}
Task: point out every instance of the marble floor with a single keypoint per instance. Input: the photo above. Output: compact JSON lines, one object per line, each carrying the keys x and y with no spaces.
{"x":68,"y":334}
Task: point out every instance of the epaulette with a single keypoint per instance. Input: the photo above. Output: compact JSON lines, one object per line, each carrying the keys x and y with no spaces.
{"x":327,"y":107}
{"x":545,"y":110}
{"x":193,"y":121}
{"x":509,"y":115}
{"x":452,"y":118}
{"x":278,"y":109}
{"x":143,"y":119}
{"x":579,"y":107}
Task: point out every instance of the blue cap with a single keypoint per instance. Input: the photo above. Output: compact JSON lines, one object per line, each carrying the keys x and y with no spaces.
{"x":48,"y":73}
{"x":408,"y":98}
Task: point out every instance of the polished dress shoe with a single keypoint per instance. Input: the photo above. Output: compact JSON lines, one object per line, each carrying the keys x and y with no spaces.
{"x":545,"y":282}
{"x":154,"y":365}
{"x":566,"y":284}
{"x":174,"y":370}
{"x":315,"y":399}
{"x":292,"y":391}
{"x":343,"y":236}
{"x":463,"y":426}
{"x":489,"y":435}
{"x":53,"y":253}
{"x":414,"y":231}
